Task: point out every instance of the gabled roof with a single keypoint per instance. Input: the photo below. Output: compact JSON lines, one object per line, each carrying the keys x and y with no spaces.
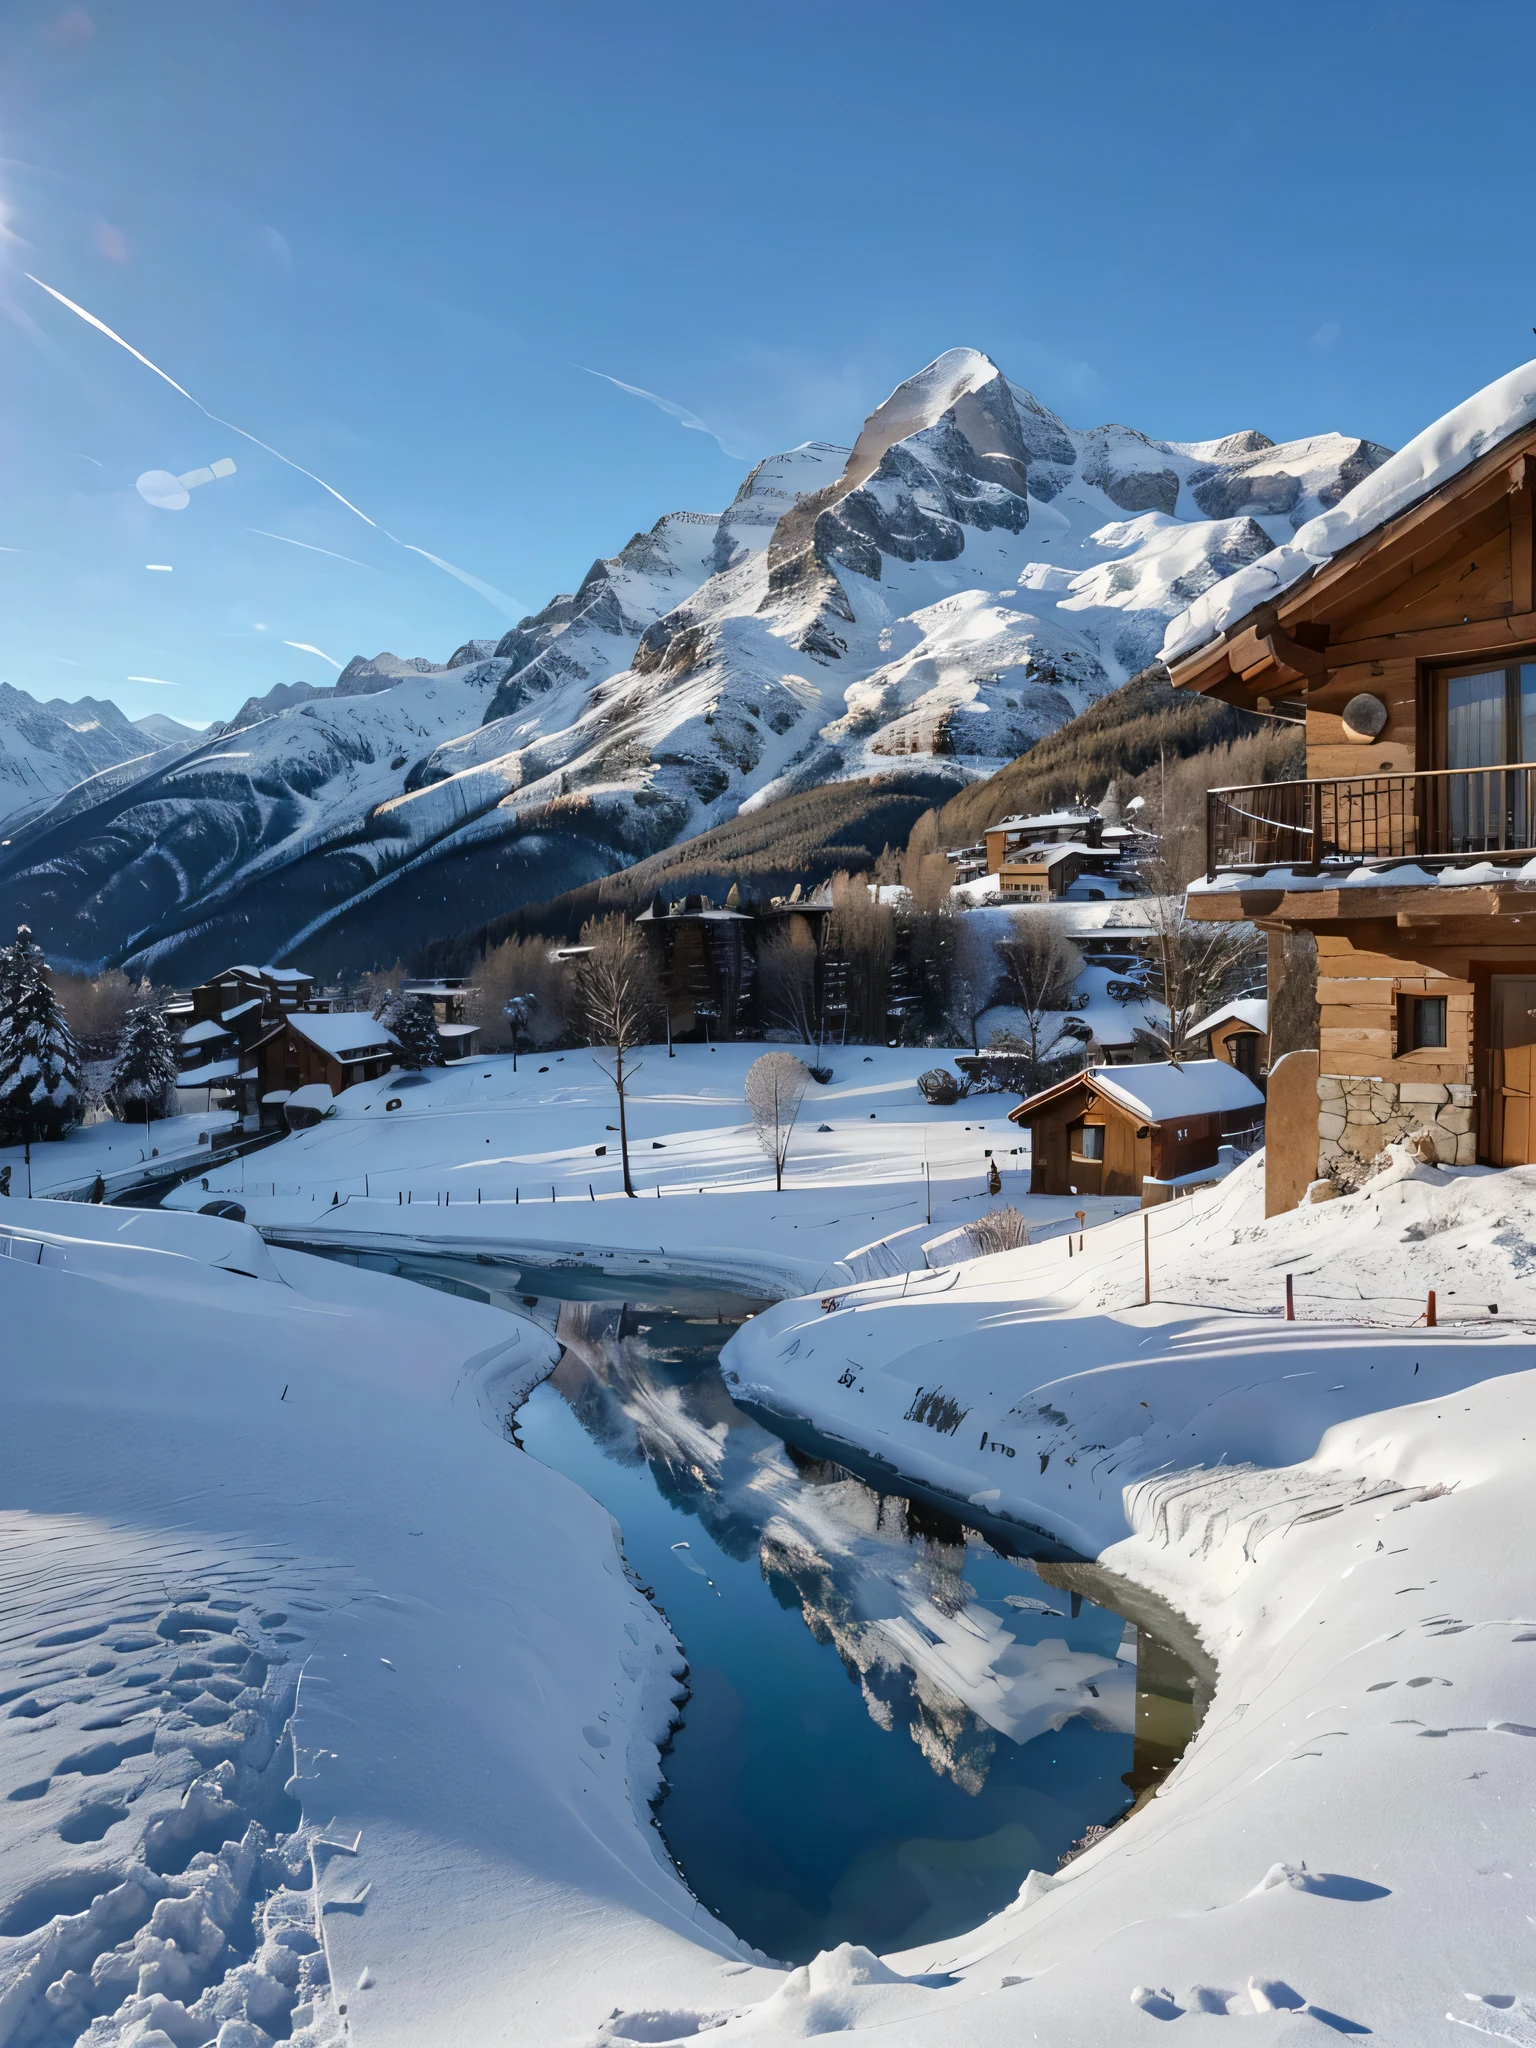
{"x":1250,"y":1010}
{"x":344,"y":1034}
{"x":1158,"y":1092}
{"x":1042,"y":821}
{"x":1432,"y":461}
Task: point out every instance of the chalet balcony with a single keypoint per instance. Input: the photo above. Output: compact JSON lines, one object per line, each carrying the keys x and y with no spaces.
{"x":1438,"y":817}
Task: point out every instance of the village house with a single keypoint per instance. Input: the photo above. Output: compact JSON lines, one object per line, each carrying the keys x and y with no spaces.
{"x":1400,"y":630}
{"x":1039,"y":859}
{"x":1153,"y":1131}
{"x":450,"y":996}
{"x":1239,"y":1034}
{"x":223,"y":1019}
{"x":334,"y":1048}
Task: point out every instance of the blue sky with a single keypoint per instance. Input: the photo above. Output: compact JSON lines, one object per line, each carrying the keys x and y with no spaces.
{"x":393,"y":241}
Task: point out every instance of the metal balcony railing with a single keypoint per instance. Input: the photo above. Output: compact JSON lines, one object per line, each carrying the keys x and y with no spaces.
{"x":1438,"y":815}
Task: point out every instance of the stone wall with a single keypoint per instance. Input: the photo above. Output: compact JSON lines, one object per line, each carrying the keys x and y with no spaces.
{"x":1358,"y":1116}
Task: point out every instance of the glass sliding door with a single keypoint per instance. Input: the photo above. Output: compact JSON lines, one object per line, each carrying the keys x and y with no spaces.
{"x":1490,"y":727}
{"x":1475,"y":720}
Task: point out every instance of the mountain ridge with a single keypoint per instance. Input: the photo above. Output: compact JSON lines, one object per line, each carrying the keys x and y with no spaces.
{"x":964,"y":579}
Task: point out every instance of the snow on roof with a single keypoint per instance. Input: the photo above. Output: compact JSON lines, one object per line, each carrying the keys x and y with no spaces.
{"x":286,"y":974}
{"x":1250,"y":1010}
{"x":1453,"y":443}
{"x":315,"y":1095}
{"x":199,"y":1034}
{"x":1041,"y":820}
{"x":254,"y":1003}
{"x":1161,"y":1091}
{"x":1404,"y":875}
{"x":1048,"y":855}
{"x":209,"y":1076}
{"x":456,"y":1030}
{"x":344,"y":1034}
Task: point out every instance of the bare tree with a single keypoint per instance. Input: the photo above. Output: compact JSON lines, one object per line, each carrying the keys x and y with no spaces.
{"x":620,"y":1002}
{"x":1193,"y":968}
{"x":786,"y":972}
{"x":775,"y":1088}
{"x":972,"y":974}
{"x":1040,"y":966}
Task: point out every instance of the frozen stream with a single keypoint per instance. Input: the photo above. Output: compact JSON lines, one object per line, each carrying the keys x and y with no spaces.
{"x":866,"y":1753}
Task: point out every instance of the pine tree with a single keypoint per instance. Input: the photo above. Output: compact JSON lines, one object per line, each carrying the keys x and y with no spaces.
{"x":39,"y":1060}
{"x":414,"y":1023}
{"x":144,"y":1074}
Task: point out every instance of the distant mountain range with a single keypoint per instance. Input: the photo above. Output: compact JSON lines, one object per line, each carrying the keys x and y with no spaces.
{"x":965,"y":579}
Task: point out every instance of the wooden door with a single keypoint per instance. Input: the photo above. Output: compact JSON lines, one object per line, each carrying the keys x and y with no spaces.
{"x":1514,"y":1068}
{"x":1515,"y":1148}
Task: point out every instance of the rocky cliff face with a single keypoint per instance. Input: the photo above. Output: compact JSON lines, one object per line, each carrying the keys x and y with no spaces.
{"x":966,"y":577}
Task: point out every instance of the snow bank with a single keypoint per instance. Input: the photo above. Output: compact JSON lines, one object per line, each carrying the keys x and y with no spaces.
{"x":296,"y":1640}
{"x":1442,"y":451}
{"x":1332,"y":1504}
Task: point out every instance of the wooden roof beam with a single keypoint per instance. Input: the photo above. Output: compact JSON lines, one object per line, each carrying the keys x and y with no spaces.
{"x":1478,"y":636}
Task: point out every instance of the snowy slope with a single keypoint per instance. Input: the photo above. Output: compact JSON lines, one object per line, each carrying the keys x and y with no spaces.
{"x":47,"y":748}
{"x":331,"y":1714}
{"x":971,"y":575}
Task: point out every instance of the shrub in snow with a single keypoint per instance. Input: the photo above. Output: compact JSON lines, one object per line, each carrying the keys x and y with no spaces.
{"x":940,"y":1087}
{"x":414,"y":1023}
{"x":39,"y":1060}
{"x":1000,"y":1230}
{"x":143,"y":1081}
{"x":776,"y":1087}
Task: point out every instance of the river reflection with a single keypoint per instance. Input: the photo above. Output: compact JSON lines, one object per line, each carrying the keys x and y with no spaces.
{"x":889,"y":1723}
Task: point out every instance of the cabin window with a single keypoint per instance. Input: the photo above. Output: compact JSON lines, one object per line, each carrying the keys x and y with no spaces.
{"x":1088,"y":1141}
{"x":1181,"y":1134}
{"x":1489,"y":721}
{"x":1420,"y":1023}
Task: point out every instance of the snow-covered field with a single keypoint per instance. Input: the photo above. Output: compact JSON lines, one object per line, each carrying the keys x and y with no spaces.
{"x":290,"y":1626}
{"x":109,"y":1148}
{"x":493,"y":1158}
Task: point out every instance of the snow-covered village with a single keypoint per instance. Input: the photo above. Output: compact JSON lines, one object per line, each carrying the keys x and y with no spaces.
{"x":792,"y":1296}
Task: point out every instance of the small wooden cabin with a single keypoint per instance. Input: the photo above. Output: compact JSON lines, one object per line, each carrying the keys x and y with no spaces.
{"x":1114,"y":1130}
{"x":336,"y":1047}
{"x":1239,"y":1034}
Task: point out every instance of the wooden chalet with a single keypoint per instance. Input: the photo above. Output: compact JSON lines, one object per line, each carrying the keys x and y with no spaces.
{"x":1402,"y":863}
{"x":1239,"y":1034}
{"x":334,"y":1047}
{"x":1149,"y":1131}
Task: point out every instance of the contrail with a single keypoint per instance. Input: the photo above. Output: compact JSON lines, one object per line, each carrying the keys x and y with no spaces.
{"x":161,"y":680}
{"x":313,"y":549}
{"x":102,"y":328}
{"x":304,"y":647}
{"x":680,"y":413}
{"x":499,"y":598}
{"x":486,"y":590}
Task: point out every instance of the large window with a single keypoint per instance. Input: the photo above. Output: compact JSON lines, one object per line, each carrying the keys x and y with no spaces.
{"x":1490,"y":723}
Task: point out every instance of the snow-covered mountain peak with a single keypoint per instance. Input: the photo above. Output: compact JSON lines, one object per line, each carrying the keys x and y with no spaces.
{"x":968,"y":576}
{"x":915,"y":405}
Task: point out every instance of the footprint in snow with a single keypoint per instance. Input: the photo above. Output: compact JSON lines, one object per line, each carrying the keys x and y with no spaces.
{"x":1500,"y":2015}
